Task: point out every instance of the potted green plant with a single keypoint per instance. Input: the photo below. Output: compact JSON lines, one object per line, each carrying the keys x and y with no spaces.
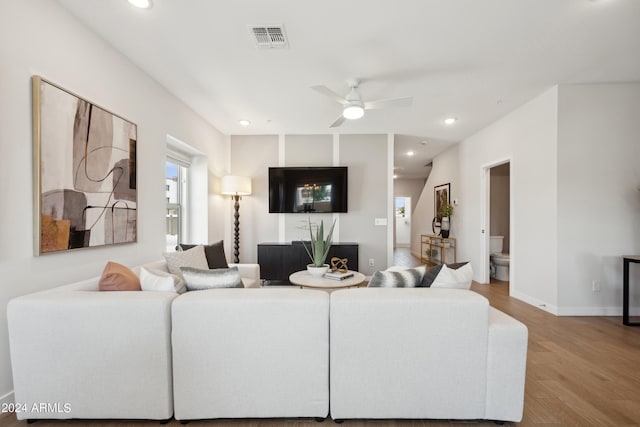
{"x":446,"y":211}
{"x":319,"y":249}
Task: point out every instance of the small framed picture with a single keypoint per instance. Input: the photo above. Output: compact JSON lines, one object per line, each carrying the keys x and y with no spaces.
{"x":442,"y":195}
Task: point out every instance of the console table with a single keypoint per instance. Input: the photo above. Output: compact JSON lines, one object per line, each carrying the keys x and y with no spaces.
{"x":279,"y":260}
{"x":627,"y":259}
{"x":430,"y":241}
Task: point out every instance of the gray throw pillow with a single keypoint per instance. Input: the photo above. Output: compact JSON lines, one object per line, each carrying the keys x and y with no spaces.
{"x":431,"y":275}
{"x":194,"y":257}
{"x":409,"y":278}
{"x":198,"y":279}
{"x":214,"y":253}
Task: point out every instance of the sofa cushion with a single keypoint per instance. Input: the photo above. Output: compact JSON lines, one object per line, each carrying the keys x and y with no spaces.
{"x":433,"y":272}
{"x":117,"y":277}
{"x":199,"y":279}
{"x":213,"y":252}
{"x":409,"y":278}
{"x":160,"y":281}
{"x":190,"y":258}
{"x":455,"y":279}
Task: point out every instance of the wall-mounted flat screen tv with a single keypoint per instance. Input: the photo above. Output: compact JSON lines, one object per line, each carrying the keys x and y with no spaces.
{"x":308,"y":189}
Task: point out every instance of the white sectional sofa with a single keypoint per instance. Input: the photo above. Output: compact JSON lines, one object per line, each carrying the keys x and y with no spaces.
{"x":251,"y":353}
{"x":424,"y":353}
{"x":265,"y":353}
{"x":92,"y":354}
{"x":80,"y":353}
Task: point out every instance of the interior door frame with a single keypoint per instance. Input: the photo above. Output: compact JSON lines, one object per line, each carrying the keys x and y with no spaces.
{"x":485,"y":217}
{"x":407,"y":210}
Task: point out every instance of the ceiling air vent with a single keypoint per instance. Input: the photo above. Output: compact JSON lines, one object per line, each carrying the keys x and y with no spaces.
{"x":269,"y":36}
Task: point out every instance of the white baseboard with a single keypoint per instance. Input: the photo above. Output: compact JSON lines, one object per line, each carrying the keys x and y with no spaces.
{"x":574,"y":311}
{"x":7,"y":398}
{"x":535,"y":302}
{"x":596,"y":311}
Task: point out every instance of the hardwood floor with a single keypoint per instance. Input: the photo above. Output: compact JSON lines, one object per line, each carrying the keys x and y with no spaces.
{"x":581,"y":371}
{"x":403,"y":256}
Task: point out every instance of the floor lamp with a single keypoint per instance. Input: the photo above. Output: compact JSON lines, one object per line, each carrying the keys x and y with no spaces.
{"x":236,"y":186}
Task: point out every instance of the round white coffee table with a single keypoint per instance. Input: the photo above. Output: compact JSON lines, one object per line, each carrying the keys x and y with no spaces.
{"x":305,"y":280}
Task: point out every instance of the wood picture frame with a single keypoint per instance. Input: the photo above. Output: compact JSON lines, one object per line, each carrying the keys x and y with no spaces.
{"x":441,"y":196}
{"x":84,"y":164}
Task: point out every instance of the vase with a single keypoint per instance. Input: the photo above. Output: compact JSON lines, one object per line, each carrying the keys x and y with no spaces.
{"x":444,"y":227}
{"x":317,"y":271}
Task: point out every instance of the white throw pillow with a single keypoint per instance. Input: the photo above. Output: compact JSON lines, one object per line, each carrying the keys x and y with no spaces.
{"x":160,"y":281}
{"x":454,"y":279}
{"x":194,"y":257}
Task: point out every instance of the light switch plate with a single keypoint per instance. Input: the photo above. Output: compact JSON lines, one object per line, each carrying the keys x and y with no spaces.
{"x":381,"y":221}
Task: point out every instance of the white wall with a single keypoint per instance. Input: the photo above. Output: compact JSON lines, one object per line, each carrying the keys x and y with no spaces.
{"x":408,"y":188}
{"x":528,"y":137}
{"x":445,"y":170}
{"x":575,"y":196}
{"x":251,"y":156}
{"x":39,"y":37}
{"x":365,"y":155}
{"x":369,"y":198}
{"x":598,"y":195}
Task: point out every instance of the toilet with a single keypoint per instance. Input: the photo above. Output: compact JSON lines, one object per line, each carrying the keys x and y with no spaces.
{"x":499,"y":260}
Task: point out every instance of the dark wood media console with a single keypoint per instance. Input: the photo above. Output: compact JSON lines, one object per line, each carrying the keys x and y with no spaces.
{"x":278,"y":260}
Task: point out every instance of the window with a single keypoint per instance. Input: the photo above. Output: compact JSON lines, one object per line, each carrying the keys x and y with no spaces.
{"x":176,"y":173}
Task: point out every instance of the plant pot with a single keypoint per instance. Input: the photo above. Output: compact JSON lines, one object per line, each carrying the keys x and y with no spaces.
{"x":444,"y":228}
{"x":317,"y":271}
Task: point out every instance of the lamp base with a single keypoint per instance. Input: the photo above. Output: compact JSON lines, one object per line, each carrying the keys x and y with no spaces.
{"x":236,"y":224}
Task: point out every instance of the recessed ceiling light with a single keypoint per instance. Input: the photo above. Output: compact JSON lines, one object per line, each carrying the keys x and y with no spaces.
{"x":410,"y":153}
{"x":244,"y":123}
{"x":450,"y":120}
{"x":395,"y":176}
{"x":142,"y":4}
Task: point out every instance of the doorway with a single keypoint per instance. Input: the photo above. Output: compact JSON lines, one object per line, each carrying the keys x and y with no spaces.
{"x":402,"y":222}
{"x":497,"y":255}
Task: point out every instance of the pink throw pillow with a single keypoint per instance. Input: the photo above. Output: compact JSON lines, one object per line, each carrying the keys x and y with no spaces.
{"x":117,"y":277}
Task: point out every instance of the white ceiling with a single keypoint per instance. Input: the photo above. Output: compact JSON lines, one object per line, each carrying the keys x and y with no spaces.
{"x":473,"y":59}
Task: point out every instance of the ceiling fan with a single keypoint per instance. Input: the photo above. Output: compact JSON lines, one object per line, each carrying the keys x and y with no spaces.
{"x":354,"y":107}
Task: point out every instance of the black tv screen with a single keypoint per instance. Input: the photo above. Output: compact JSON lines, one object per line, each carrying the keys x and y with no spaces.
{"x":308,"y":189}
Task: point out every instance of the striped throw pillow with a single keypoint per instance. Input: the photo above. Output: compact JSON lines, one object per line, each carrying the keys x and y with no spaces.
{"x":409,"y":278}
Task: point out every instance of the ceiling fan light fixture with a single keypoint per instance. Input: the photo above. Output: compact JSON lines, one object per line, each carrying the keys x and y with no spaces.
{"x":353,"y":112}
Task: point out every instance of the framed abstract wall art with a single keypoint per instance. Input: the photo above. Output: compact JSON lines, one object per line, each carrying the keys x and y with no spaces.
{"x":84,"y":162}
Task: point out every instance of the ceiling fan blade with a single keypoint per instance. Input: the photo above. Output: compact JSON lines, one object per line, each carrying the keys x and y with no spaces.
{"x":338,"y":122}
{"x":331,"y":94}
{"x":391,"y":102}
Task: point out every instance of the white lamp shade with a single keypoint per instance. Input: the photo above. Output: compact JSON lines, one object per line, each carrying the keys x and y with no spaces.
{"x":236,"y":185}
